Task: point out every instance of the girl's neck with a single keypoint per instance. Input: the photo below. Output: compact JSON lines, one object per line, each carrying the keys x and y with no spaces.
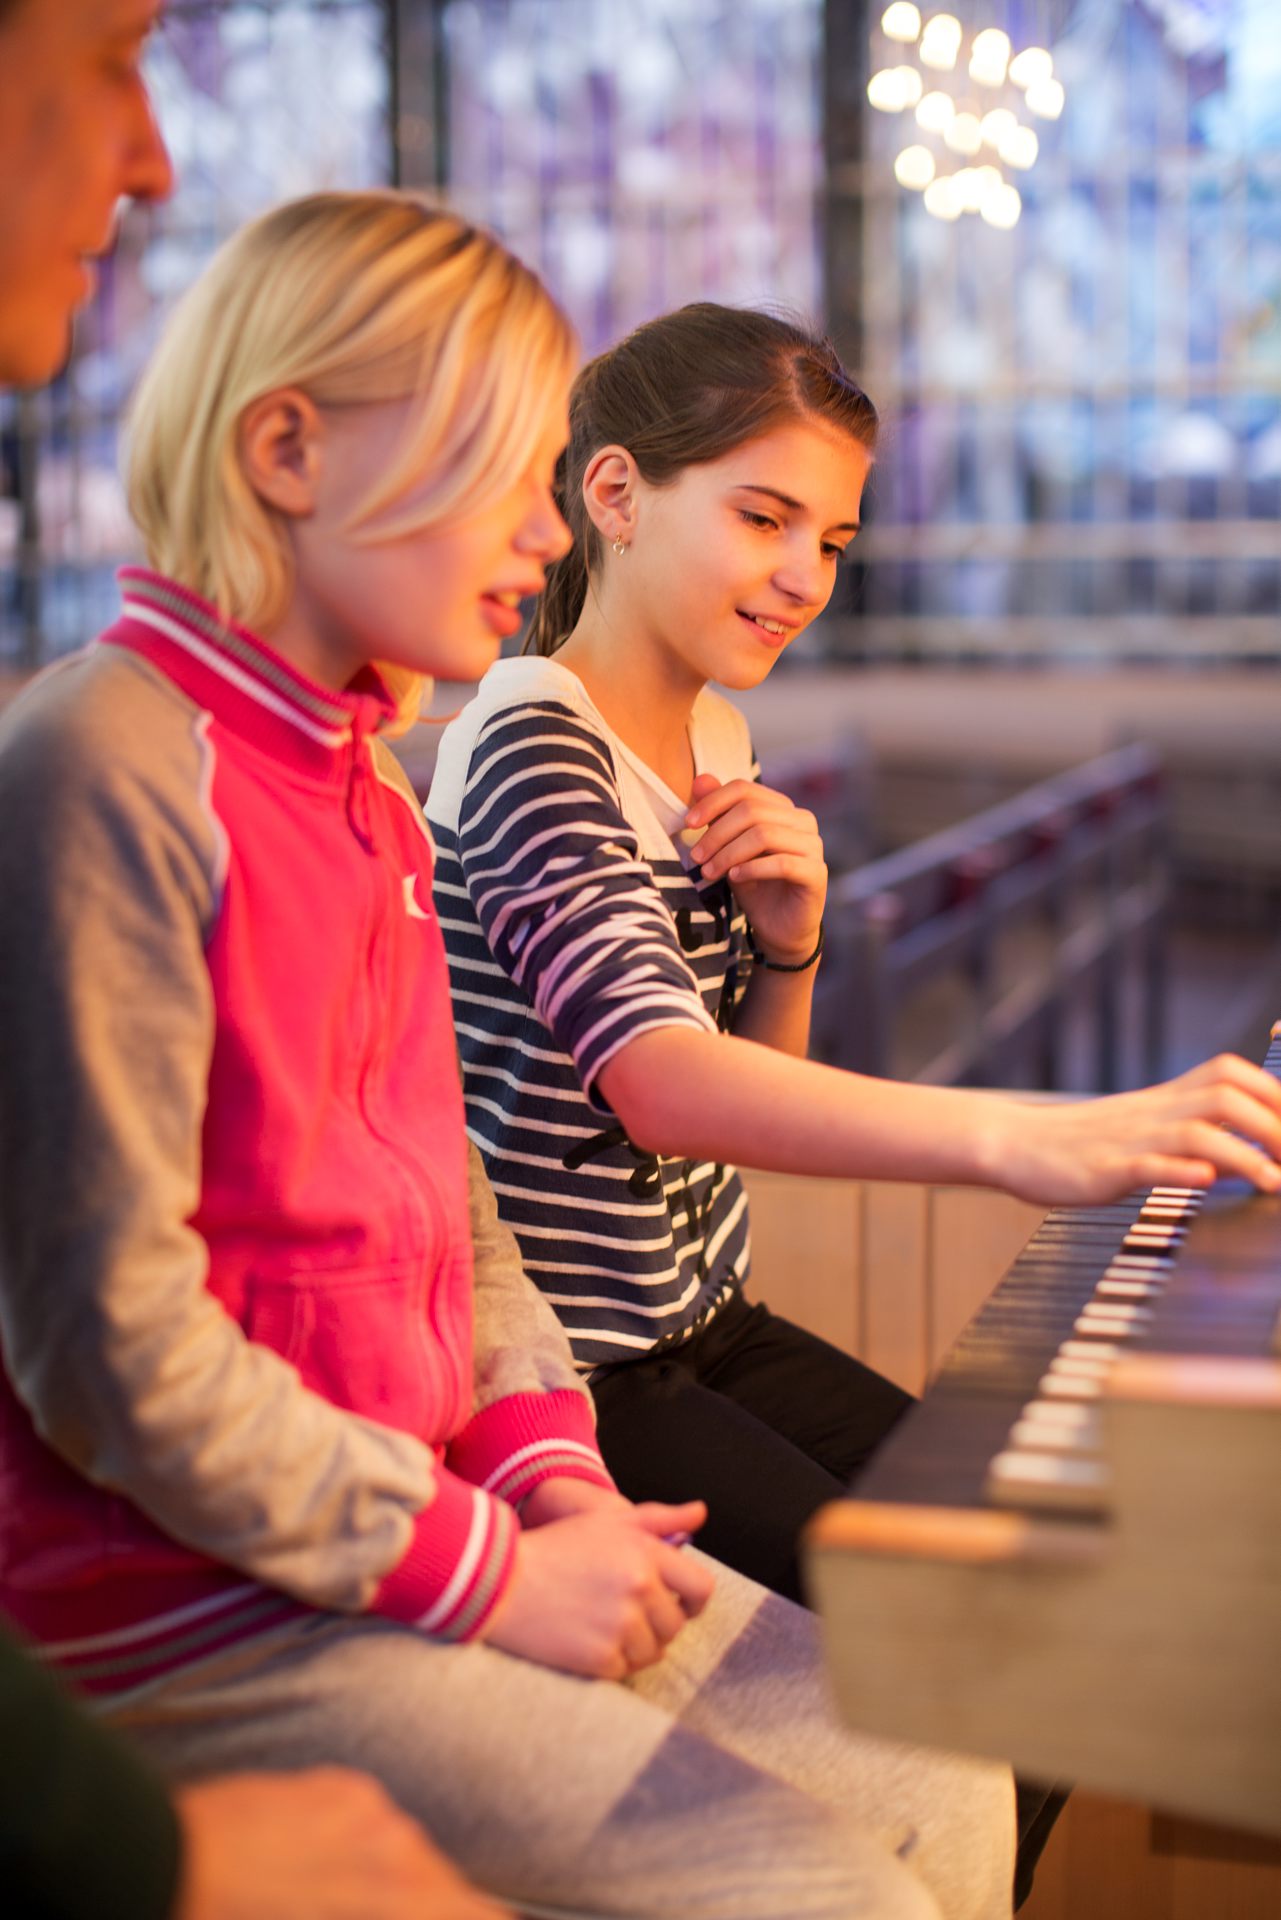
{"x":644,"y":694}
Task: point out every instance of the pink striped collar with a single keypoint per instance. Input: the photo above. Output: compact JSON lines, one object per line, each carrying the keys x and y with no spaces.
{"x":242,"y":680}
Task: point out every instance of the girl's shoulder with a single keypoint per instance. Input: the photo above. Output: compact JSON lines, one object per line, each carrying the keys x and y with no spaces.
{"x":526,"y":684}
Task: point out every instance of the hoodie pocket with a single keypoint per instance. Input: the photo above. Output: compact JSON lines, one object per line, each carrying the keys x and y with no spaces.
{"x":362,"y":1340}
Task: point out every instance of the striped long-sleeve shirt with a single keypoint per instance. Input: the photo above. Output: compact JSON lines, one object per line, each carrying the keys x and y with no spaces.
{"x":573,"y":923}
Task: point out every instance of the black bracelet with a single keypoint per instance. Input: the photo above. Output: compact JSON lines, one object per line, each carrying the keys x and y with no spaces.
{"x":784,"y":966}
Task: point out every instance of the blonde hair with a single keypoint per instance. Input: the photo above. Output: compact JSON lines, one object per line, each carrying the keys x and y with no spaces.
{"x":355,"y":298}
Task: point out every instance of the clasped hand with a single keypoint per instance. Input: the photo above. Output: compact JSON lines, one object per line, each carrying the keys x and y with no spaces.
{"x":598,"y":1588}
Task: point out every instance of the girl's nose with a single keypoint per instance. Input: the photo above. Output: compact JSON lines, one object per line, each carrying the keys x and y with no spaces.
{"x":545,"y":532}
{"x":806,"y":580}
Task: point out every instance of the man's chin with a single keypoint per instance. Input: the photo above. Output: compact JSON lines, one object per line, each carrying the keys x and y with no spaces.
{"x":34,"y":351}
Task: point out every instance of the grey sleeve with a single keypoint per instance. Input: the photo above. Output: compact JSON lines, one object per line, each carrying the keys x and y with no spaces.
{"x":132,"y":1371}
{"x":521,"y":1346}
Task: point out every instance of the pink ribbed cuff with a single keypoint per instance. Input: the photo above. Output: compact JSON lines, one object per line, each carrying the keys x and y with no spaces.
{"x":527,"y":1438}
{"x":458,"y":1563}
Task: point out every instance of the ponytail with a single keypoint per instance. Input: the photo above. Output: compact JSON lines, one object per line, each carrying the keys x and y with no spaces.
{"x":565,"y":594}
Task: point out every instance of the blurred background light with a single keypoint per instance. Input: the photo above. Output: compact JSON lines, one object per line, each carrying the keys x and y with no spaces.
{"x":902,"y":21}
{"x":914,"y":168}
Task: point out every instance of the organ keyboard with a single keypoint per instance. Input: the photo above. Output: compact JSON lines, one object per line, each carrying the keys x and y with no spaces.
{"x":1069,"y":1554}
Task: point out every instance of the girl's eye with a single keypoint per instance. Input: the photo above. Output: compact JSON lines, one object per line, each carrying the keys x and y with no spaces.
{"x":756,"y":519}
{"x":831,"y":552}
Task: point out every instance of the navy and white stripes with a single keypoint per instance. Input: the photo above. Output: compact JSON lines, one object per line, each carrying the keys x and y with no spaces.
{"x":572,"y":925}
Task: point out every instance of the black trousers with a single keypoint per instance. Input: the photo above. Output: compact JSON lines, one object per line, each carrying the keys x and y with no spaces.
{"x":766,"y":1423}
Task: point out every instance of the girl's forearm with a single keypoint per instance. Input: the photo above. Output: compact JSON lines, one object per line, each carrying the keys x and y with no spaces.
{"x":775,"y":1011}
{"x":702,"y":1096}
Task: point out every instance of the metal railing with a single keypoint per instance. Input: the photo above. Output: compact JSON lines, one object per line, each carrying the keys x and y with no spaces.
{"x":1083,"y":860}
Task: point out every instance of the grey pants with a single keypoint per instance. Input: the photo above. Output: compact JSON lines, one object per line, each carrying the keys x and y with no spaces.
{"x":714,"y":1786}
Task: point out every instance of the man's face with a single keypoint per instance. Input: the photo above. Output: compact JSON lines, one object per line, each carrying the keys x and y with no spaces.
{"x":77,"y":134}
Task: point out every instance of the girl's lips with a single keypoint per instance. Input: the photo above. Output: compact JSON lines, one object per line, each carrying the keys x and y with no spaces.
{"x":776,"y":641}
{"x":499,"y":617}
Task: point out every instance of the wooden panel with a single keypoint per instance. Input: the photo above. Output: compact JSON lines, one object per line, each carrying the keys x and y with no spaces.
{"x":893,"y":1333}
{"x":1101,"y":1861}
{"x":805,"y":1252}
{"x":974,"y":1235}
{"x":886,"y":1270}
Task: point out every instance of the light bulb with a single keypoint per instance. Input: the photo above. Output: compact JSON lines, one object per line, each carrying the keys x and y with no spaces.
{"x":936,"y":111}
{"x":967,"y":190}
{"x":989,"y":57}
{"x":911,"y":85}
{"x":941,"y":42}
{"x":1019,"y":148}
{"x":991,"y":46}
{"x":1045,"y":98}
{"x":989,"y":183}
{"x":914,"y":168}
{"x":1033,"y":64}
{"x":885,"y":90}
{"x":901,"y":21}
{"x":1002,"y":207}
{"x":941,"y":199}
{"x":996,"y":125}
{"x":962,"y":133}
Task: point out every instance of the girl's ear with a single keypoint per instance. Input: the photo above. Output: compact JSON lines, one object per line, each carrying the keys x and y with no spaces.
{"x":281,"y":440}
{"x":609,"y":492}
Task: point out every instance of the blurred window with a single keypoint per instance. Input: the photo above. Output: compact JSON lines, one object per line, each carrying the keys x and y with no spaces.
{"x":1083,"y":458}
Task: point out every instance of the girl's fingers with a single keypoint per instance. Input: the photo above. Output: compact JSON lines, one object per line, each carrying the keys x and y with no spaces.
{"x":1163,"y":1170}
{"x":1230,"y":1069}
{"x":781,"y":866}
{"x":775,"y":838}
{"x":666,"y":1615}
{"x":1201,"y":1140}
{"x":1231,"y":1107}
{"x":688,"y":1577}
{"x":657,"y":1517}
{"x":709,"y":805}
{"x":639,"y":1645}
{"x":749,"y":814}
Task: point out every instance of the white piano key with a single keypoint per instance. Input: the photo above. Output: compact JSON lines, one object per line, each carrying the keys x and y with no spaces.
{"x":1076,"y":1386}
{"x":1120,"y":1311}
{"x":1046,"y":1479}
{"x":1109,"y":1347}
{"x":1128,"y":1289}
{"x":1091,"y":1365}
{"x":1063,"y":1414}
{"x":1039,"y":1436}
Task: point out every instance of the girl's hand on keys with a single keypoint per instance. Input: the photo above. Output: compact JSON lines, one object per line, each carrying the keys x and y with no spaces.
{"x":601,"y":1593}
{"x":1221,"y":1118}
{"x":772,"y":855}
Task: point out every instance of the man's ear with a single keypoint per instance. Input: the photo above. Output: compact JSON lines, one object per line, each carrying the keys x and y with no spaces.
{"x":609,"y":492}
{"x":282,"y":444}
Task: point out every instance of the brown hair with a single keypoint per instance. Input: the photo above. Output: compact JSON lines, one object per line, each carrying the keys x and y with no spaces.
{"x":679,"y":392}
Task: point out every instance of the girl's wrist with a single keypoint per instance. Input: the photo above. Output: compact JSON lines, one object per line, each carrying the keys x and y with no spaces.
{"x":786,"y":960}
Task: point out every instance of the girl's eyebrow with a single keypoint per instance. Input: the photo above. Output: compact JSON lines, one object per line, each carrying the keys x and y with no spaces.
{"x":797,"y":506}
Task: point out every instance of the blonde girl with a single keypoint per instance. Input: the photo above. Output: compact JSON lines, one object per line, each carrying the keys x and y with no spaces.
{"x":296,"y":1464}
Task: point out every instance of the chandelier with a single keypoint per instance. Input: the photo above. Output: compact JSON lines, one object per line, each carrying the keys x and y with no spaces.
{"x":970,"y":107}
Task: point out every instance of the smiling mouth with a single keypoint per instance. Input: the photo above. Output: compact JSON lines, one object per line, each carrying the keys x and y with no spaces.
{"x":776,"y":629}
